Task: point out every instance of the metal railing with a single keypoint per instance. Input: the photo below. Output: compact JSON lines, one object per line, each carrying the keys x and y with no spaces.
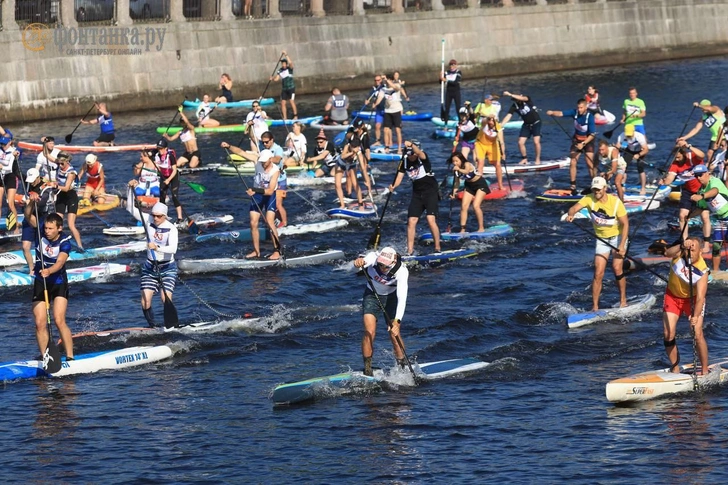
{"x":377,"y":6}
{"x":556,"y":2}
{"x":142,"y":11}
{"x":294,"y":8}
{"x":198,"y":10}
{"x":454,"y":4}
{"x":37,"y":12}
{"x":521,"y":3}
{"x":491,"y":3}
{"x":338,"y":7}
{"x":94,"y":11}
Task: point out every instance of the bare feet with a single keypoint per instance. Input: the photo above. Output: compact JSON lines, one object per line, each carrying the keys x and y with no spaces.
{"x":275,"y":256}
{"x":538,"y":161}
{"x":481,"y":229}
{"x":252,"y":255}
{"x":523,"y":162}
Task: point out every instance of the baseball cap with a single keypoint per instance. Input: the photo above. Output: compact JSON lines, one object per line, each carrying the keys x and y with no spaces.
{"x":265,"y":155}
{"x":705,"y":102}
{"x":91,"y":158}
{"x":488,"y":96}
{"x":700,"y":169}
{"x":358,"y":123}
{"x":629,"y":130}
{"x":162,"y":143}
{"x":598,"y":183}
{"x":159,"y":209}
{"x":32,"y":175}
{"x":387,"y":257}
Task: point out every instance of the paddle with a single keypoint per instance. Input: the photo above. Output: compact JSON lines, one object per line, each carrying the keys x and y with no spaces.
{"x":199,"y":188}
{"x":93,"y":213}
{"x":503,"y":160}
{"x":443,"y":115}
{"x":270,"y":78}
{"x":689,"y":261}
{"x":171,"y":319}
{"x":51,"y":356}
{"x":389,"y":326}
{"x":608,"y":134}
{"x":69,"y":137}
{"x":377,"y":235}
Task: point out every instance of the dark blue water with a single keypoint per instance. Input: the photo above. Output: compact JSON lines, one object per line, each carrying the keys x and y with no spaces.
{"x":538,"y":412}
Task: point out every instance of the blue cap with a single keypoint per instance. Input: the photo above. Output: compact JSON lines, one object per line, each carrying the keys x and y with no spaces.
{"x":700,"y":169}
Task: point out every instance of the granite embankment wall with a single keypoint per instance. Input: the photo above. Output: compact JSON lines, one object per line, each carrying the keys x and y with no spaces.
{"x":346,"y":50}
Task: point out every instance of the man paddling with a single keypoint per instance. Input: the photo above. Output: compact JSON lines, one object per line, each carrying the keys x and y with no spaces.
{"x":159,"y":271}
{"x":585,"y":132}
{"x":523,"y":105}
{"x":107,"y":135}
{"x":713,"y":119}
{"x":46,"y":204}
{"x":386,"y":287}
{"x":634,"y":148}
{"x":452,"y":77}
{"x":288,"y":86}
{"x":263,"y":202}
{"x":52,"y":248}
{"x":425,"y":192}
{"x":687,"y":286}
{"x":611,"y":226}
{"x":713,"y":195}
{"x":634,"y":111}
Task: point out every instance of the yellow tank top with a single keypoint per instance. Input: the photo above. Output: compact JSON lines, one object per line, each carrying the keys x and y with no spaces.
{"x":679,"y":281}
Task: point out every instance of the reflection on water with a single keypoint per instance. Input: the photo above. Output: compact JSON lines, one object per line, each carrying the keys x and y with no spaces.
{"x":55,"y":426}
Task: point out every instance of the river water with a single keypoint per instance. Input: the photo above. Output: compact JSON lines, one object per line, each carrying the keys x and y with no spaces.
{"x":537,"y":413}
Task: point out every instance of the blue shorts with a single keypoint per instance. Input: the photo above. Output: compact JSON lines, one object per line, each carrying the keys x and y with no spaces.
{"x":379,"y":117}
{"x":152,"y":272}
{"x":640,"y":129}
{"x":29,"y":232}
{"x":140,"y":190}
{"x":263,"y":203}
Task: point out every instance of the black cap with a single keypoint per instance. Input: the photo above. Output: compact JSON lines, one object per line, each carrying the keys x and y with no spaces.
{"x":358,"y":123}
{"x":46,"y":139}
{"x":162,"y":143}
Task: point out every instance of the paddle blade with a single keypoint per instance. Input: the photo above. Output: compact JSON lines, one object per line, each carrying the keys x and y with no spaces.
{"x":199,"y":188}
{"x":374,"y":239}
{"x":443,"y":114}
{"x":52,"y":357}
{"x":11,"y":221}
{"x":609,"y":133}
{"x":171,"y":319}
{"x":69,"y":138}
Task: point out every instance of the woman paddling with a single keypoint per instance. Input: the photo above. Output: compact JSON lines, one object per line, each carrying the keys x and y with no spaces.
{"x":476,"y":188}
{"x":67,"y":198}
{"x":189,"y":140}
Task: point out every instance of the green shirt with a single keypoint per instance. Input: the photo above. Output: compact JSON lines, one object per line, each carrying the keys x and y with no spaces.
{"x":631,"y":108}
{"x":717,"y":205}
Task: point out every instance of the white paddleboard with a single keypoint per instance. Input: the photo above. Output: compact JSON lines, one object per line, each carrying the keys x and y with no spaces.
{"x":636,"y":306}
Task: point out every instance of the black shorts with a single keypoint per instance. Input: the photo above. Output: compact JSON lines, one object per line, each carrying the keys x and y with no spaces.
{"x":424,"y":201}
{"x":528,"y":131}
{"x":370,"y":304}
{"x":393,"y":120}
{"x":10,"y":180}
{"x":474,"y":187}
{"x":67,"y":202}
{"x":189,"y":156}
{"x":106,"y":138}
{"x":685,"y":201}
{"x":54,"y":289}
{"x":288,"y":94}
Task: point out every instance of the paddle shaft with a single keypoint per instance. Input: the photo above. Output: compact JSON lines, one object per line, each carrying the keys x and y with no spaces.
{"x":442,"y":84}
{"x":374,"y":239}
{"x":503,"y":160}
{"x":389,"y":324}
{"x":69,"y":137}
{"x":689,"y":261}
{"x":270,"y":78}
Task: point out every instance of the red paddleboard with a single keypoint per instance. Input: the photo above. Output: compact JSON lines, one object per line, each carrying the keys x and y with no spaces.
{"x":496,"y":193}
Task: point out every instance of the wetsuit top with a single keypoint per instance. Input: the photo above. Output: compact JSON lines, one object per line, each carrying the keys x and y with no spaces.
{"x":94,"y":171}
{"x":717,"y":205}
{"x":714,"y":122}
{"x":526,"y":110}
{"x":684,"y":172}
{"x":50,"y":251}
{"x":338,"y":110}
{"x":8,"y":160}
{"x":62,"y":177}
{"x":419,"y":171}
{"x":227,"y":94}
{"x":165,"y":236}
{"x":468,"y":131}
{"x":106,"y":124}
{"x":604,"y":214}
{"x":330,"y":159}
{"x":583,"y":124}
{"x":165,"y":163}
{"x":187,"y":135}
{"x":678,"y":283}
{"x":47,"y":168}
{"x":365,"y":142}
{"x":263,"y":177}
{"x":632,"y":144}
{"x":286,"y":75}
{"x":386,"y":284}
{"x":632,"y":108}
{"x":453,"y":78}
{"x":148,"y":175}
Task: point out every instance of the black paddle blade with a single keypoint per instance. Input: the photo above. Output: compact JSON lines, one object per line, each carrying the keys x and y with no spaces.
{"x":192,"y":227}
{"x":608,"y":134}
{"x":69,"y":138}
{"x":443,"y":115}
{"x":374,"y":239}
{"x":171,"y":319}
{"x":52,"y":357}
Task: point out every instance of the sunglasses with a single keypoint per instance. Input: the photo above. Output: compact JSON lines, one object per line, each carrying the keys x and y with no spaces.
{"x":266,"y":141}
{"x":156,"y":216}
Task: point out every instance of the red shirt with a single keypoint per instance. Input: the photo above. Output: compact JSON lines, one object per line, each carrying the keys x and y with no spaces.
{"x":684,"y":172}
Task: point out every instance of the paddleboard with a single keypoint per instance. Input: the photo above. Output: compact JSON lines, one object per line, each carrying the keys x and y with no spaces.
{"x":406,"y":116}
{"x":606,"y":119}
{"x":648,"y":259}
{"x":635,"y":306}
{"x":354,"y":211}
{"x":200,"y":168}
{"x":530,"y":167}
{"x":453,"y":123}
{"x":436,"y":259}
{"x":652,"y":384}
{"x":5,"y":237}
{"x":110,"y":201}
{"x":305,"y":121}
{"x":247,"y":168}
{"x":244,"y":234}
{"x":317,"y":125}
{"x":209,"y":222}
{"x":37,"y":147}
{"x":499,"y":230}
{"x":171,"y":130}
{"x":124,"y":230}
{"x":496,"y":193}
{"x":190,"y":266}
{"x":348,"y":382}
{"x":15,"y":258}
{"x":243,"y":103}
{"x":379,"y":154}
{"x":630,"y":206}
{"x":18,"y":278}
{"x":88,"y":363}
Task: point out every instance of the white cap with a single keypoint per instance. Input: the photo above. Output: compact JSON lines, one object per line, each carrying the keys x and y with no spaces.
{"x":387,"y":257}
{"x":159,"y":209}
{"x":32,"y":175}
{"x":598,"y":183}
{"x":265,"y":155}
{"x":91,"y":158}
